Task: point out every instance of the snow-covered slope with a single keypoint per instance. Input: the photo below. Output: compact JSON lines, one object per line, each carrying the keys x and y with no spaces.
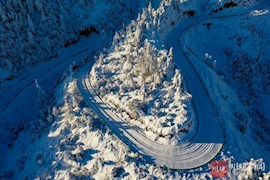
{"x":240,"y":58}
{"x":78,"y":146}
{"x":32,"y":31}
{"x":127,"y":75}
{"x":138,"y":79}
{"x":70,"y":142}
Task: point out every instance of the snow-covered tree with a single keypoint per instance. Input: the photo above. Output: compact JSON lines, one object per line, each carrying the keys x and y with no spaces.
{"x":32,"y":30}
{"x":42,"y":100}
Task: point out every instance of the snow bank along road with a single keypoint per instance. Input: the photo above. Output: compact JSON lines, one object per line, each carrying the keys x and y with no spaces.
{"x":209,"y":138}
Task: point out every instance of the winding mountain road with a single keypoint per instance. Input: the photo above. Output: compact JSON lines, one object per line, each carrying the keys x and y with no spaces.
{"x":209,"y":138}
{"x":198,"y":151}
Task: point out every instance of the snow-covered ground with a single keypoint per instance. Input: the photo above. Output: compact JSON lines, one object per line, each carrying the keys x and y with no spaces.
{"x":32,"y":31}
{"x":78,"y":146}
{"x":231,"y":55}
{"x":138,"y":79}
{"x":235,"y":48}
{"x":140,"y":82}
{"x":17,"y":115}
{"x":130,"y":75}
{"x":63,"y":139}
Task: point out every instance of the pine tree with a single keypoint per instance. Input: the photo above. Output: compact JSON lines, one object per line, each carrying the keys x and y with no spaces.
{"x":42,"y":100}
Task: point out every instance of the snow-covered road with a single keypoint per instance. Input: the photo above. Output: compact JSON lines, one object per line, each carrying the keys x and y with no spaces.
{"x":209,"y":138}
{"x":194,"y":153}
{"x":201,"y":149}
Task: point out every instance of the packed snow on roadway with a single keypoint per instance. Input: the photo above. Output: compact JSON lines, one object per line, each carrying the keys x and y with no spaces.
{"x":138,"y":79}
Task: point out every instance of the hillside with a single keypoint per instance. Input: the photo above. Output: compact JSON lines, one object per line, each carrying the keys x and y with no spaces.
{"x":166,"y":68}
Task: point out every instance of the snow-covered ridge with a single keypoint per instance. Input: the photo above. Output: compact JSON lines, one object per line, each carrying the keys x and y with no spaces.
{"x":138,"y":79}
{"x":131,"y":76}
